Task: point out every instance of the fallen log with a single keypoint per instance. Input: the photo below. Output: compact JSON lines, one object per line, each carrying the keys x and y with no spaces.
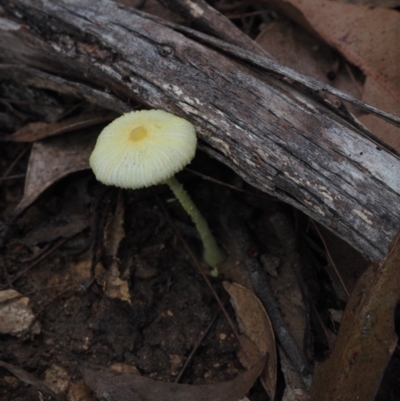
{"x":281,"y":139}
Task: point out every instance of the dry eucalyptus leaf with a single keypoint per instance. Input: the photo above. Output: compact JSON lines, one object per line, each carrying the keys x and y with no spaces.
{"x":375,"y":94}
{"x":366,"y":338}
{"x":373,"y":3}
{"x":255,"y":325}
{"x":367,"y":37}
{"x":28,"y":378}
{"x":53,"y":159}
{"x":293,"y":46}
{"x":15,"y":315}
{"x":113,"y":386}
{"x":39,"y":130}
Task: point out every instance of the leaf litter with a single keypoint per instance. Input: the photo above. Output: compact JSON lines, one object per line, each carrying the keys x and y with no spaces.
{"x":122,"y":386}
{"x":367,"y":337}
{"x":380,"y":89}
{"x":367,"y":37}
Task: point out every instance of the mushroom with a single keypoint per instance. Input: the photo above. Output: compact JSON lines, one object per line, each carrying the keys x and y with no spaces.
{"x":147,"y":147}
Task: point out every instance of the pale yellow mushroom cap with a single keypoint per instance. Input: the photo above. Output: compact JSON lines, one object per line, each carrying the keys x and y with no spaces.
{"x":143,"y":148}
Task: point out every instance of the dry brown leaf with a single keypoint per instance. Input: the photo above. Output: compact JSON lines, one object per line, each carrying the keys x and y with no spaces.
{"x":123,"y":386}
{"x":255,"y":325}
{"x":291,"y":45}
{"x":28,"y":378}
{"x":376,"y":95}
{"x":366,"y":338}
{"x":53,"y":159}
{"x":367,"y":37}
{"x":373,"y":3}
{"x":35,"y":131}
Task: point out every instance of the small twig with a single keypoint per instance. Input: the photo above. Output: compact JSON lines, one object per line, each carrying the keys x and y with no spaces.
{"x":16,"y":298}
{"x":245,"y":15}
{"x":224,"y":184}
{"x":5,"y":272}
{"x":50,"y":302}
{"x":331,"y":261}
{"x":206,"y":279}
{"x":13,"y":164}
{"x":263,"y":291}
{"x":43,"y":256}
{"x":29,"y":102}
{"x":195,"y":348}
{"x":12,"y":177}
{"x":37,"y":255}
{"x":218,"y":299}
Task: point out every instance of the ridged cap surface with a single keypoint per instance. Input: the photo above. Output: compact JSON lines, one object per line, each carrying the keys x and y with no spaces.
{"x":143,"y":148}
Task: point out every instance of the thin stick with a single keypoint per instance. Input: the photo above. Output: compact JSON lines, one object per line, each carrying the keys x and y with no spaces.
{"x":195,"y":348}
{"x":21,"y":273}
{"x":263,"y":291}
{"x":13,"y":164}
{"x":218,"y":299}
{"x":206,"y":279}
{"x":224,"y":184}
{"x":331,"y":261}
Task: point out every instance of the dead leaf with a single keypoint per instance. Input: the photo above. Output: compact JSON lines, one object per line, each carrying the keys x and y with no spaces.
{"x":367,"y":37}
{"x":366,"y":338}
{"x":28,"y":378}
{"x":39,"y":130}
{"x":114,"y":386}
{"x":376,"y":95}
{"x":255,"y":325}
{"x":373,"y":3}
{"x":291,"y":45}
{"x":15,"y":315}
{"x":53,"y":159}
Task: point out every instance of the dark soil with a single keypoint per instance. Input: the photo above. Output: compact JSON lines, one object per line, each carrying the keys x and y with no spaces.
{"x":171,"y":306}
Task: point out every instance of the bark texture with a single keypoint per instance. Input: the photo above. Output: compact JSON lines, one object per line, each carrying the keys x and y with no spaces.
{"x":281,"y":140}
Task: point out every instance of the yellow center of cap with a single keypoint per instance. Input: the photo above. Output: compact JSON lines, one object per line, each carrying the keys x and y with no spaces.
{"x":137,"y":134}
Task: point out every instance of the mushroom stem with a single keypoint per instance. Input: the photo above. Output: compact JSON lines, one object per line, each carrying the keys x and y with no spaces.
{"x":213,"y":254}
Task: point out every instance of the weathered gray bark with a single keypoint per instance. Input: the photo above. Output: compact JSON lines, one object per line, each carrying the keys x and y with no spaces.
{"x":277,"y":138}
